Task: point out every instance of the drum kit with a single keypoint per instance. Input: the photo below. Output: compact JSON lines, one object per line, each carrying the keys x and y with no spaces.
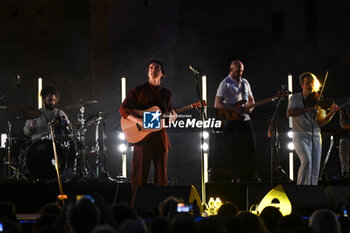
{"x":27,"y":161}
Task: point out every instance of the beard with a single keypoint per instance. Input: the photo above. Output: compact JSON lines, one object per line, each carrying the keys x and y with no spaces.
{"x":49,"y":106}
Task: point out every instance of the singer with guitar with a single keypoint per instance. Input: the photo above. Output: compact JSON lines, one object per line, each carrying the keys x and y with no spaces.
{"x":155,"y":146}
{"x":235,"y":148}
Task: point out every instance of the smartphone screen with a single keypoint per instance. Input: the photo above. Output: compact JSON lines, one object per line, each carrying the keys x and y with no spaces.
{"x":86,"y":196}
{"x":1,"y":227}
{"x":182,"y":207}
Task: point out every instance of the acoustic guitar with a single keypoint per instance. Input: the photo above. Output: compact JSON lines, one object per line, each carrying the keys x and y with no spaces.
{"x":134,"y":132}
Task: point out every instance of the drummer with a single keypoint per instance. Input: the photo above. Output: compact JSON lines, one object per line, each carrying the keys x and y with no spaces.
{"x":38,"y":128}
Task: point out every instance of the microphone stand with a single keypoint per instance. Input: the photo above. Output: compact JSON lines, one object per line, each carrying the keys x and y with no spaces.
{"x":273,"y":134}
{"x":204,"y":118}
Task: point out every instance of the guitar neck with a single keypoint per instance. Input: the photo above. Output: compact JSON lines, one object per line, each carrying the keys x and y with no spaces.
{"x":187,"y":107}
{"x":261,"y":102}
{"x":182,"y":109}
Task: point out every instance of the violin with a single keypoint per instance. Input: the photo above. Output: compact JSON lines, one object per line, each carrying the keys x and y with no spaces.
{"x":316,"y":99}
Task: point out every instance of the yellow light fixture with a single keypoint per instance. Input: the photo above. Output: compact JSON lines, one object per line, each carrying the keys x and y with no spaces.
{"x":278,"y":198}
{"x":213,"y":206}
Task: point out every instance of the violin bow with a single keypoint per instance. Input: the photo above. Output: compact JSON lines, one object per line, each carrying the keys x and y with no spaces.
{"x":323,"y":84}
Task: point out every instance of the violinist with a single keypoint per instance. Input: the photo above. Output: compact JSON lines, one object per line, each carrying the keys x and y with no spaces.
{"x":344,"y":143}
{"x":307,"y":118}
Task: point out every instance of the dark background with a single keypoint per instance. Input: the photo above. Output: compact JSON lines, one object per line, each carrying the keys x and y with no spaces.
{"x":84,"y":47}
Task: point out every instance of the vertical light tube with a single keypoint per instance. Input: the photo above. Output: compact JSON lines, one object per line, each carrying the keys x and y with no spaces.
{"x":204,"y":155}
{"x":123,"y":95}
{"x":291,"y":154}
{"x":291,"y":165}
{"x":290,"y":88}
{"x":3,"y":140}
{"x":206,"y":167}
{"x":40,"y":86}
{"x":204,"y":91}
{"x":123,"y":85}
{"x":124,"y":170}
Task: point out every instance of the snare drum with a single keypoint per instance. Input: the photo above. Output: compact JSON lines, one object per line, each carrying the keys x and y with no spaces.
{"x":40,"y":159}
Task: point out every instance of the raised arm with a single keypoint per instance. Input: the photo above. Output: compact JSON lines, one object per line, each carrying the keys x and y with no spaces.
{"x":323,"y":118}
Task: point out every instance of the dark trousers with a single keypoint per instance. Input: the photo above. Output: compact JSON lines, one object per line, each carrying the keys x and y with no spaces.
{"x":150,"y":149}
{"x":235,"y":153}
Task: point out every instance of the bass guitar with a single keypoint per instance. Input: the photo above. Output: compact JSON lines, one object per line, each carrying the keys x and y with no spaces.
{"x":227,"y":115}
{"x":134,"y":132}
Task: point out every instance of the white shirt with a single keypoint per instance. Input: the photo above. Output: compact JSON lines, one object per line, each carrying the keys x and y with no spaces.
{"x":306,"y":123}
{"x":233,"y":91}
{"x":42,"y":128}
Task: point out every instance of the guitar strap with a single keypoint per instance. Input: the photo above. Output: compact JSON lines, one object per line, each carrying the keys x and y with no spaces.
{"x":164,"y":101}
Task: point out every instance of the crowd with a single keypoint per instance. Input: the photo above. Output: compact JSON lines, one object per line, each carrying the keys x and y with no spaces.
{"x":95,"y":215}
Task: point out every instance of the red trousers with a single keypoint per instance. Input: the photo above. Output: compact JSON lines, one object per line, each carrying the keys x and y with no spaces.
{"x":150,"y":149}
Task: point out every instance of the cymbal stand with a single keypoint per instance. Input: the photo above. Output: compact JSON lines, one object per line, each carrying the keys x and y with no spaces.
{"x":104,"y":144}
{"x":81,"y":162}
{"x":14,"y":84}
{"x":100,"y":168}
{"x":9,"y":146}
{"x":97,"y":147}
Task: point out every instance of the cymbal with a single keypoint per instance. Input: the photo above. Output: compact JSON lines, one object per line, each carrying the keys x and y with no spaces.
{"x":22,"y":112}
{"x":81,"y":104}
{"x":96,"y":117}
{"x":76,"y":123}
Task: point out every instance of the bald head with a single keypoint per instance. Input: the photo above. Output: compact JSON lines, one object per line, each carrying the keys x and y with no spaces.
{"x":236,"y":69}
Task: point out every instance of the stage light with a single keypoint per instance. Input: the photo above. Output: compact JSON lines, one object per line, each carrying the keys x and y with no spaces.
{"x":124,"y":166}
{"x":40,"y":87}
{"x":122,"y":147}
{"x":291,"y":165}
{"x":290,"y":146}
{"x":121,"y":136}
{"x":206,"y":175}
{"x":123,"y":88}
{"x":205,"y":135}
{"x":278,"y":198}
{"x":3,"y":140}
{"x":290,"y":123}
{"x":205,"y":146}
{"x":213,"y":206}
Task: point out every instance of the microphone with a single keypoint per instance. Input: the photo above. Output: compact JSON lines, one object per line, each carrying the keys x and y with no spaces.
{"x":18,"y":81}
{"x":196,"y":71}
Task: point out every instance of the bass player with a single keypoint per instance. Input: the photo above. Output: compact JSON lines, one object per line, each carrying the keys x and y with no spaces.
{"x":235,"y":156}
